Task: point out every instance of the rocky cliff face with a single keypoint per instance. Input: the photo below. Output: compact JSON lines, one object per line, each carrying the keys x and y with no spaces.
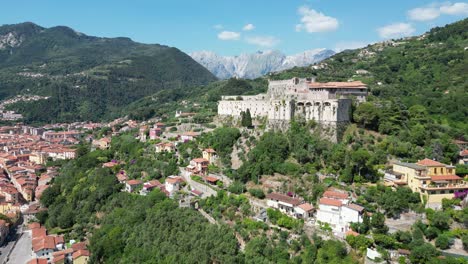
{"x":257,"y":64}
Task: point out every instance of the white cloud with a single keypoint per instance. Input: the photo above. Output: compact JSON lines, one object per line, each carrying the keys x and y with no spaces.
{"x":454,"y":9}
{"x":229,"y":35}
{"x":263,"y":41}
{"x":424,"y":13}
{"x":433,"y":11}
{"x":248,"y":27}
{"x":218,"y":27}
{"x":344,"y":45}
{"x":396,"y":30}
{"x":313,"y":21}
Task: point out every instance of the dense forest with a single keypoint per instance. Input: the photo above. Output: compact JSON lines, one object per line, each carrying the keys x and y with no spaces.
{"x":88,"y":78}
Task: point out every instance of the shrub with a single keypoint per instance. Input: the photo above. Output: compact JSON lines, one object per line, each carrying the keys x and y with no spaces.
{"x":257,"y":193}
{"x":443,"y":241}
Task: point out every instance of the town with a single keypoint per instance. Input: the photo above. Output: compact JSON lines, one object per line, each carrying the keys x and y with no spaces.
{"x":31,"y":158}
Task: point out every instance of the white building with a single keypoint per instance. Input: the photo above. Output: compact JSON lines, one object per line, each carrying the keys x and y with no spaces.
{"x":172,"y":184}
{"x":291,"y":206}
{"x":336,"y":210}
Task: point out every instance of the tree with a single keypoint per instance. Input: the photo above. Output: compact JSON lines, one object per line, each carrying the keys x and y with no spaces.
{"x":423,"y":253}
{"x":441,"y":220}
{"x":246,"y":118}
{"x":378,"y":223}
{"x":443,"y":241}
{"x":367,"y":115}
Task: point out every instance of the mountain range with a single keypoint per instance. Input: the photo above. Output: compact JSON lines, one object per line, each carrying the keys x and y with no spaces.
{"x":254,"y":65}
{"x":86,"y":77}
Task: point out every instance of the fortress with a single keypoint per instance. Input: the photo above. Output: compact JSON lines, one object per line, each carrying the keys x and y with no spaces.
{"x":328,"y":104}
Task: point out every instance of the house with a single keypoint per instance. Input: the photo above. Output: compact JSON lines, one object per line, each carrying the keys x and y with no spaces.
{"x":154,"y":133}
{"x":304,"y":211}
{"x":110,"y":164}
{"x":282,"y":202}
{"x":196,"y":193}
{"x":149,"y":186}
{"x":81,"y":256}
{"x":43,"y":247}
{"x":211,"y":180}
{"x":172,"y":184}
{"x":431,"y":179}
{"x":198,"y":166}
{"x":210,"y":155}
{"x":463,"y":157}
{"x":103,"y":143}
{"x":188,"y":136}
{"x":132,"y":185}
{"x":373,"y":254}
{"x":336,"y":209}
{"x":122,"y":176}
{"x":165,"y":147}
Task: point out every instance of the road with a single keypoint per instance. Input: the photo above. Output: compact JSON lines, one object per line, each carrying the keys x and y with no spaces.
{"x":22,"y":252}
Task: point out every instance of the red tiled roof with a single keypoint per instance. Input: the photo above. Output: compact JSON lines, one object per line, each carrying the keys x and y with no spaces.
{"x":39,"y":232}
{"x":335,"y":195}
{"x":210,"y":150}
{"x":134,"y":182}
{"x":211,"y":179}
{"x":355,"y":207}
{"x":200,"y":160}
{"x":37,"y":261}
{"x":464,"y":153}
{"x":430,"y":163}
{"x":306,"y":207}
{"x":283,"y":198}
{"x":81,"y":252}
{"x":78,"y":246}
{"x":34,"y":225}
{"x":173,"y":180}
{"x":445,"y":177}
{"x":46,"y":242}
{"x":330,"y":202}
{"x":355,"y":84}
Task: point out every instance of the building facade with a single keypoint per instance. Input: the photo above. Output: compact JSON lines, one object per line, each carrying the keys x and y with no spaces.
{"x":326,"y":103}
{"x":433,"y":180}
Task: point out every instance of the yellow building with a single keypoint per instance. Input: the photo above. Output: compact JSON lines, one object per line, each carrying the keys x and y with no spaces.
{"x":432,"y":179}
{"x":210,"y":155}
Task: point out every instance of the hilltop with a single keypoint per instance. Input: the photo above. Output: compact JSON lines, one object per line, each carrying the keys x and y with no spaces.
{"x":428,"y":70}
{"x":86,"y":77}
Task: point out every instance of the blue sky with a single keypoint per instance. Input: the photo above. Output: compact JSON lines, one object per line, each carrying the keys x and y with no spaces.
{"x":237,"y":26}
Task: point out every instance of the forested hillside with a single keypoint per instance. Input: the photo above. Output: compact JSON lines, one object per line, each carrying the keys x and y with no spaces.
{"x":88,"y":78}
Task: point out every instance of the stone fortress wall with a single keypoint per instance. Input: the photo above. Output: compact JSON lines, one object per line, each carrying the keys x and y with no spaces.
{"x":326,"y":103}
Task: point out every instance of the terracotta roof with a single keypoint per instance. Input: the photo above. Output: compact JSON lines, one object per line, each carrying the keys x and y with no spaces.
{"x":81,"y":252}
{"x":34,"y":225}
{"x":78,"y":246}
{"x":37,"y":261}
{"x":335,"y":195}
{"x":46,"y":242}
{"x":191,"y":133}
{"x":200,"y":160}
{"x":39,"y":232}
{"x":355,"y":207}
{"x":430,"y":163}
{"x":173,"y":180}
{"x":211,"y":179}
{"x":196,"y":192}
{"x":210,"y":150}
{"x":330,"y":202}
{"x":306,"y":207}
{"x":351,"y":233}
{"x":355,"y":84}
{"x":283,"y":198}
{"x":58,"y":258}
{"x":445,"y":177}
{"x":134,"y":182}
{"x":464,"y":152}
